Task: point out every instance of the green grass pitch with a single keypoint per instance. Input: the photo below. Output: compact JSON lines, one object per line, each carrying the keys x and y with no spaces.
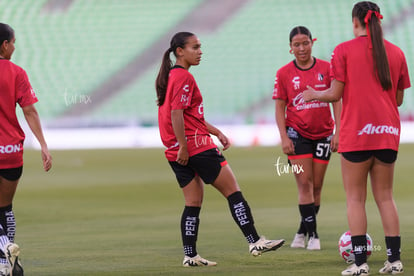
{"x":117,"y":212}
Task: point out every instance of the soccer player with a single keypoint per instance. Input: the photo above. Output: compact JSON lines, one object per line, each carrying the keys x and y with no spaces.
{"x":370,"y":75}
{"x":15,"y":89}
{"x":306,"y":129}
{"x":191,"y":152}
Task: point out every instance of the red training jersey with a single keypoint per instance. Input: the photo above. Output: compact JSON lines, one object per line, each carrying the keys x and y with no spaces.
{"x":370,"y":119}
{"x":312,"y":120}
{"x":14,"y":88}
{"x":183,"y":93}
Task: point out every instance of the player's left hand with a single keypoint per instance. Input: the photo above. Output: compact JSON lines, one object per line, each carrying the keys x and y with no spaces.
{"x":47,"y":159}
{"x":224,"y":140}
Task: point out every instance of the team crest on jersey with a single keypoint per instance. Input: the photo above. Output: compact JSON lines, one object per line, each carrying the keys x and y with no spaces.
{"x":320,"y":77}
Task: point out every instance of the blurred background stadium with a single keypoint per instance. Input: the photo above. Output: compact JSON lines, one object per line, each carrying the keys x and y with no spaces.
{"x":93,"y":63}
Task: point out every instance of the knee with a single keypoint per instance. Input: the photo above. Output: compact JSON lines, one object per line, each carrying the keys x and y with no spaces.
{"x":193,"y":202}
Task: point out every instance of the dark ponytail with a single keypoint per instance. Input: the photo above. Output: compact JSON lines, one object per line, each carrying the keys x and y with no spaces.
{"x":368,"y":14}
{"x":178,"y":41}
{"x":6,"y":33}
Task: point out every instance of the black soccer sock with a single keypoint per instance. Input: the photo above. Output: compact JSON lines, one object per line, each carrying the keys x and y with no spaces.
{"x":302,"y":227}
{"x":8,"y":222}
{"x":359,"y":246}
{"x":393,"y":248}
{"x":189,"y":229}
{"x":242,"y":215}
{"x":307,"y":211}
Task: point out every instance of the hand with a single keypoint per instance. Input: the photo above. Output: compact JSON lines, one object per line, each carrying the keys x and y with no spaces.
{"x":47,"y":159}
{"x":308,"y":94}
{"x":224,"y":140}
{"x":288,"y":147}
{"x":335,"y":142}
{"x":182,"y":156}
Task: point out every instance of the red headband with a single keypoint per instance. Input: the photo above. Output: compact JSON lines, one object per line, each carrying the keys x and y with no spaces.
{"x":367,"y":19}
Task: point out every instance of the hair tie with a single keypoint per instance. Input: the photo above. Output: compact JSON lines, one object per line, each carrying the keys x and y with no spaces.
{"x":367,"y":19}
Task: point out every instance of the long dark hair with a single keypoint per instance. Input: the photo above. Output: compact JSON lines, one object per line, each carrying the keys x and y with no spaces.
{"x":178,"y":41}
{"x":299,"y":30}
{"x":6,"y":33}
{"x":379,"y":54}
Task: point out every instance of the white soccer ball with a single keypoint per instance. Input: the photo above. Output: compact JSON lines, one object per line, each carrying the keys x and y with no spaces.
{"x":345,"y":247}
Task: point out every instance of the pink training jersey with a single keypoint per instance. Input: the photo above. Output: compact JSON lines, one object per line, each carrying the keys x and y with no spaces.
{"x":14,"y":88}
{"x":370,"y":119}
{"x":312,"y":120}
{"x":183,"y":93}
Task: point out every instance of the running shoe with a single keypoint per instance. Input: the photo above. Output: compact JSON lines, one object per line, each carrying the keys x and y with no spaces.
{"x":263,"y":245}
{"x":392,"y":268}
{"x":197,"y":261}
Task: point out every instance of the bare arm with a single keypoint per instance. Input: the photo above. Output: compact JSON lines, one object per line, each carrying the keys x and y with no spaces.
{"x":332,"y":94}
{"x":287,"y":144}
{"x":337,"y":108}
{"x":32,"y":118}
{"x":400,"y":97}
{"x":216,"y":132}
{"x":177,"y":120}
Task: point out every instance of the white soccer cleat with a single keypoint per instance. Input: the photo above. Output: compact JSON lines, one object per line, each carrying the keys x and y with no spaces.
{"x":263,"y":245}
{"x":298,"y":241}
{"x":392,"y":268}
{"x":12,"y":252}
{"x":354,"y":270}
{"x":314,"y":244}
{"x":197,"y":261}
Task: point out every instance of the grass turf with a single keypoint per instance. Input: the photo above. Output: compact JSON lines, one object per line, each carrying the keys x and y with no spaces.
{"x":117,"y":212}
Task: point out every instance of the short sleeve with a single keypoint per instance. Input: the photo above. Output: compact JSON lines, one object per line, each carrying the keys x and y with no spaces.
{"x":182,"y":92}
{"x":25,"y":94}
{"x":338,"y":65}
{"x":404,"y":79}
{"x":279,"y":91}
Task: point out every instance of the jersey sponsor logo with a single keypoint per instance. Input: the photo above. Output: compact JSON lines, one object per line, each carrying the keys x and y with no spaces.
{"x":201,"y":109}
{"x":300,"y":104}
{"x":371,"y":129}
{"x":296,"y":82}
{"x":184,"y":99}
{"x":7,"y":149}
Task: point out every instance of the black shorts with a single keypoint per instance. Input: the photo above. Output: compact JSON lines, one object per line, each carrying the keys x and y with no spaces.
{"x":319,"y":150}
{"x":11,"y":174}
{"x":385,"y":155}
{"x":206,"y":164}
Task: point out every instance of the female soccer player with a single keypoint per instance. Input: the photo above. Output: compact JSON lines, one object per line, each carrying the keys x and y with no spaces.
{"x":306,"y":129}
{"x":370,"y":74}
{"x":191,"y":152}
{"x":15,"y":88}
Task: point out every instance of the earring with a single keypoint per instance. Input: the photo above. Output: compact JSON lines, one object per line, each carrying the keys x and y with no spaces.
{"x":291,"y":51}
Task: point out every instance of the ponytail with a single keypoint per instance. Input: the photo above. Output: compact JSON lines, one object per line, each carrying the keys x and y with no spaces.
{"x":368,"y":14}
{"x":178,"y":41}
{"x":162,"y":78}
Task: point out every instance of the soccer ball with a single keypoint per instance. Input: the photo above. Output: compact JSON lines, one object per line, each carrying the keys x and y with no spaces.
{"x":345,"y":247}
